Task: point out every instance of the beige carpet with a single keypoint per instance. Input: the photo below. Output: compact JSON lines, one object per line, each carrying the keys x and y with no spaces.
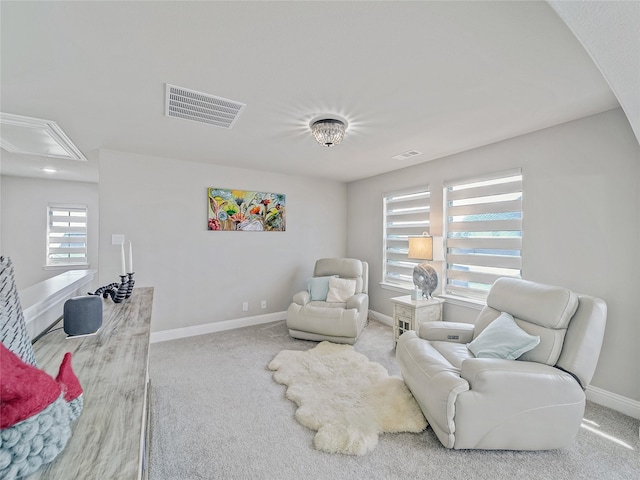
{"x":216,"y":413}
{"x":346,"y":398}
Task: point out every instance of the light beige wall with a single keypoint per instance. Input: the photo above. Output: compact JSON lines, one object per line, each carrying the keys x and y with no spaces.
{"x":581,"y":223}
{"x":202,"y":276}
{"x":24,"y":223}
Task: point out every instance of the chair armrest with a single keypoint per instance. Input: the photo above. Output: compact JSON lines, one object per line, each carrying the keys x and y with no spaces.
{"x":446,"y":331}
{"x":301,"y":298}
{"x":359,"y":301}
{"x":505,"y":396}
{"x":505,"y":378}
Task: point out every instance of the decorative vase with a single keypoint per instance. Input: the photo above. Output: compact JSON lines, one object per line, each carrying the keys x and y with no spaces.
{"x":425,"y":277}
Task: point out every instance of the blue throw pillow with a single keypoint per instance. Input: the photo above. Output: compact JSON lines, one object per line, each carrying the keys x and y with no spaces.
{"x":319,"y":287}
{"x":503,"y":338}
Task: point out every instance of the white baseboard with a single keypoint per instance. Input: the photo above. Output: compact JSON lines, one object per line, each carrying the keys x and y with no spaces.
{"x":165,"y":335}
{"x":597,"y":395}
{"x":381,"y":317}
{"x":614,"y":401}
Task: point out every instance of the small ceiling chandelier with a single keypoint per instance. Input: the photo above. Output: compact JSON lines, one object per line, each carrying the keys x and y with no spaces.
{"x":328,"y":132}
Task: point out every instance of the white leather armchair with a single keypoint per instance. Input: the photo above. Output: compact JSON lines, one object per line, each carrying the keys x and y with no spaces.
{"x":533,"y":403}
{"x":336,"y":313}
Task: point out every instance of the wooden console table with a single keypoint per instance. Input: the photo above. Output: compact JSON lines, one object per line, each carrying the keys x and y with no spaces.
{"x":110,"y":438}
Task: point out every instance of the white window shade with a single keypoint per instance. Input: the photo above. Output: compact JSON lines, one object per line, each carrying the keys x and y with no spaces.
{"x":483,"y":233}
{"x":405,"y":215}
{"x":67,"y":235}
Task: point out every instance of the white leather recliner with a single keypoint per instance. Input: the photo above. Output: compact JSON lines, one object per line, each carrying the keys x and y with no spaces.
{"x":533,"y":403}
{"x":336,"y":305}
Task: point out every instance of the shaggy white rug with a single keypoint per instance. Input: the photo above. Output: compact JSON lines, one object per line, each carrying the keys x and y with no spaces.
{"x":348,"y":399}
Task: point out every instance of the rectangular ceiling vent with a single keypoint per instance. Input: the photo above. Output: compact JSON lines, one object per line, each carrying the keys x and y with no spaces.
{"x":201,"y":107}
{"x":405,"y":155}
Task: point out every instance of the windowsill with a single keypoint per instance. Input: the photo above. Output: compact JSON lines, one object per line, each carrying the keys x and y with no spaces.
{"x":464,"y":302}
{"x":475,"y":304}
{"x":69,"y":266}
{"x":395,"y":288}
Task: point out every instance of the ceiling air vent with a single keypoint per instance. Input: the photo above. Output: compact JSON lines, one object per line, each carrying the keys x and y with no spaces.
{"x":405,"y":155}
{"x":201,"y":107}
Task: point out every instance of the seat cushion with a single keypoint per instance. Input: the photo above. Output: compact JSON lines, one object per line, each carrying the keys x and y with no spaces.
{"x":452,"y":352}
{"x":336,"y":322}
{"x":325,"y":304}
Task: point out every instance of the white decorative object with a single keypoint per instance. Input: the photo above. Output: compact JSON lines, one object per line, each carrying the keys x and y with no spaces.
{"x":348,"y":399}
{"x":123,"y":268}
{"x":130,"y":258}
{"x":416,"y":294}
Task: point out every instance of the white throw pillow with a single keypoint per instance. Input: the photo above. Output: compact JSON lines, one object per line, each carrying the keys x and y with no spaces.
{"x":503,"y":338}
{"x":340,"y":289}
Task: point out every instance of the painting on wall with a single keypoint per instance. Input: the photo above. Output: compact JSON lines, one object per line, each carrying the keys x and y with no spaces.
{"x":232,"y":210}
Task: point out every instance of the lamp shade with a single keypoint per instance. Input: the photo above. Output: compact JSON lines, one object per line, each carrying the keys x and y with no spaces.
{"x":421,"y":248}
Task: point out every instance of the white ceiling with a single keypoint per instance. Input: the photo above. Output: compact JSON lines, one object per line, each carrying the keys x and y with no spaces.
{"x":437,"y":77}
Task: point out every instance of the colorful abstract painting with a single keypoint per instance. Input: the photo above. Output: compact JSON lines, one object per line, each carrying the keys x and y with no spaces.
{"x":231,"y":210}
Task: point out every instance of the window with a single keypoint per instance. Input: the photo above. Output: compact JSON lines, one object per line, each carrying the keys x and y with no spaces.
{"x":405,"y":215}
{"x":67,"y":235}
{"x":483,"y":233}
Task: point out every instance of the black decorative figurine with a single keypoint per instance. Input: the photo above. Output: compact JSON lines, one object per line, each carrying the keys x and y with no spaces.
{"x":118,"y":292}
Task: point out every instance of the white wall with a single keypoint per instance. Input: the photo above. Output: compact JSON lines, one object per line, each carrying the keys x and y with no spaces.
{"x":202,"y":276}
{"x":24,"y":223}
{"x":581,"y":229}
{"x":581,"y":223}
{"x":609,"y":32}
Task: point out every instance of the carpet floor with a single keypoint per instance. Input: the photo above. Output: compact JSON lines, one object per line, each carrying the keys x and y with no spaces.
{"x":217,"y":413}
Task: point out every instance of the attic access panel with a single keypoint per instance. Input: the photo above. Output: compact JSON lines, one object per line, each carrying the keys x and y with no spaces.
{"x":35,"y":136}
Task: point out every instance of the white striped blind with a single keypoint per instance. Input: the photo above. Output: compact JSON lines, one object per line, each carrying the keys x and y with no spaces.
{"x":405,"y":215}
{"x":483,"y":233}
{"x":67,"y":234}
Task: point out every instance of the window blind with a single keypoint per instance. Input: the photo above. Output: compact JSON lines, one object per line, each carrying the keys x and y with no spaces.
{"x":483,"y":233}
{"x":67,"y":235}
{"x":405,"y":215}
